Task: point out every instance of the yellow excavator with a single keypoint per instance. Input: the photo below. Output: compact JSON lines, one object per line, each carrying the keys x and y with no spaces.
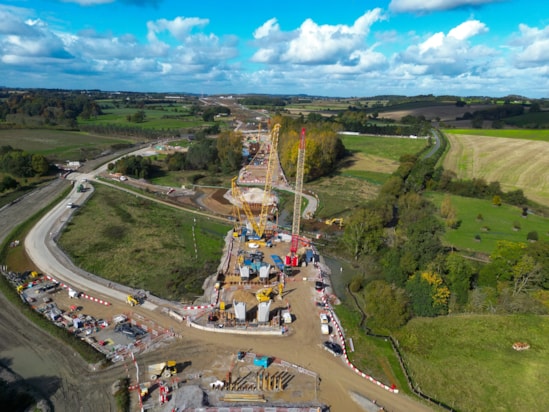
{"x":338,"y":220}
{"x":132,"y":300}
{"x":264,"y":295}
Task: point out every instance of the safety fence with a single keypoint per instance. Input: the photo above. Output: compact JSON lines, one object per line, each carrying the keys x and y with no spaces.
{"x":80,"y":295}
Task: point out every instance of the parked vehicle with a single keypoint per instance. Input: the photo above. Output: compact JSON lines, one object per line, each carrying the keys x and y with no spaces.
{"x":287,"y":316}
{"x":325,"y":329}
{"x":324,"y":318}
{"x":129,"y":330}
{"x":334,"y":348}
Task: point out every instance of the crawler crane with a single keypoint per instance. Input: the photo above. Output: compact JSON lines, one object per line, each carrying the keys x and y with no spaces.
{"x":259,"y":225}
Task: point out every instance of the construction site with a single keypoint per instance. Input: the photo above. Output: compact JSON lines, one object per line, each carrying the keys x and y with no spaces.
{"x":271,"y":287}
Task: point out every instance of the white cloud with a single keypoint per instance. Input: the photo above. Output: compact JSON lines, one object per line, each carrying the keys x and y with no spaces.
{"x":312,"y":43}
{"x":422,"y":6}
{"x":180,"y":27}
{"x":269,"y":27}
{"x":531,"y":46}
{"x":467,"y":29}
{"x":450,"y":54}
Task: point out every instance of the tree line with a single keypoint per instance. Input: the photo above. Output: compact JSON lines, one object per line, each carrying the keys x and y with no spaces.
{"x":396,"y":239}
{"x":223,"y":154}
{"x":48,"y":108}
{"x":18,"y":163}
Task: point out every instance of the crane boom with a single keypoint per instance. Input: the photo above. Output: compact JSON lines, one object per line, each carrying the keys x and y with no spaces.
{"x":271,"y":165}
{"x":260,"y":226}
{"x":237,"y":195}
{"x":298,"y":192}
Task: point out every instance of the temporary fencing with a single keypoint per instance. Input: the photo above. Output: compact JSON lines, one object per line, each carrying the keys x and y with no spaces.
{"x":83,"y":295}
{"x":325,"y":300}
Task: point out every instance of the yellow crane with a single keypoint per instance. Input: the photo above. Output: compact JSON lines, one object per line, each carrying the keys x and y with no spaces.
{"x":259,"y":225}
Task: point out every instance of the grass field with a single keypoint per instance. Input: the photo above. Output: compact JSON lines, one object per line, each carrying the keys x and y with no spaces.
{"x":516,"y":163}
{"x":499,"y":220}
{"x":154,"y":119}
{"x":142,"y":244}
{"x":541,"y":134}
{"x":374,"y":356}
{"x":468,"y":361}
{"x":372,"y":160}
{"x":58,"y":145}
{"x":391,"y":148}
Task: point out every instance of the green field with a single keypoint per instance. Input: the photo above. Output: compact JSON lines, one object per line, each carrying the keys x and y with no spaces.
{"x":382,"y":146}
{"x":139,"y":243}
{"x":59,"y":145}
{"x":373,"y":356}
{"x":468,"y":362}
{"x":169,"y":118}
{"x":498,"y":219}
{"x":537,"y":134}
{"x":373,"y":160}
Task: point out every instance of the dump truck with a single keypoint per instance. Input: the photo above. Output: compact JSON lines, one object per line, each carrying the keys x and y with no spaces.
{"x":163,"y":369}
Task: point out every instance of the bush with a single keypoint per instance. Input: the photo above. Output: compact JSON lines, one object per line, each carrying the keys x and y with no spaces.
{"x":356,"y":284}
{"x":122,"y":396}
{"x":532,"y":236}
{"x":516,"y":226}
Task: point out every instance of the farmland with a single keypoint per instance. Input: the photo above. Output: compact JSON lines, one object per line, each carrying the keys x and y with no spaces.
{"x":468,"y":361}
{"x":59,"y":145}
{"x":159,"y":117}
{"x":496,"y":224}
{"x":515,"y":163}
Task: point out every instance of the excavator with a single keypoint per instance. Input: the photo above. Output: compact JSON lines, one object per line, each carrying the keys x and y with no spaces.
{"x":338,"y":220}
{"x":264,"y":295}
{"x":133,"y":300}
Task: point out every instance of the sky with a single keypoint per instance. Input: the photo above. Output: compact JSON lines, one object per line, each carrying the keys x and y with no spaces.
{"x":345,"y":48}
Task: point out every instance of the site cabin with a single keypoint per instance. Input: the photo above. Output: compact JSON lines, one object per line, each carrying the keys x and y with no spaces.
{"x":263,"y":361}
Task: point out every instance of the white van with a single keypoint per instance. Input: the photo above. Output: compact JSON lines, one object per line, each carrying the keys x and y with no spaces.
{"x":325,"y":329}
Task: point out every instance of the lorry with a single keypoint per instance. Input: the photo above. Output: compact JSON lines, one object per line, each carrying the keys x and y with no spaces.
{"x":163,"y":369}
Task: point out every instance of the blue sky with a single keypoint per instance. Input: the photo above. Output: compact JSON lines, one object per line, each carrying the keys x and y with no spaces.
{"x":338,"y":48}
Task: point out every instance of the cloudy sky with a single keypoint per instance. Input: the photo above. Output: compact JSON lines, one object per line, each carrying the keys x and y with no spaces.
{"x":331,"y":48}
